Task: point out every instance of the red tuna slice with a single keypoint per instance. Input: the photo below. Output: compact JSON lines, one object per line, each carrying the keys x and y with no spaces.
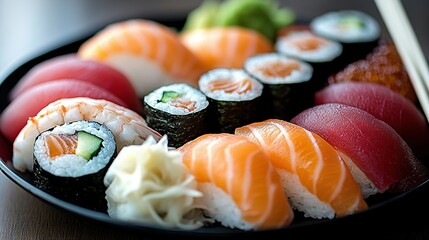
{"x":30,"y":102}
{"x":71,"y":67}
{"x":385,"y":104}
{"x":373,"y":146}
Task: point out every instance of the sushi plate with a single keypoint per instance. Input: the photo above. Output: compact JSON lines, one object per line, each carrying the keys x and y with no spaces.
{"x":386,"y":212}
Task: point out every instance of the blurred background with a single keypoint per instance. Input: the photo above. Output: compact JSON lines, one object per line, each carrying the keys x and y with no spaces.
{"x":29,"y":27}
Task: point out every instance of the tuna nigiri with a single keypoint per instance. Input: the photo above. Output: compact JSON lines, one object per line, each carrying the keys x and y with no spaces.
{"x":225,"y":47}
{"x":148,"y":53}
{"x":376,"y":153}
{"x":315,"y":177}
{"x":31,"y":101}
{"x":69,"y":66}
{"x":240,"y":186}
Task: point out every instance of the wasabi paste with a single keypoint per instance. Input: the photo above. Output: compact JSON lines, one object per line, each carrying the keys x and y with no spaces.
{"x":264,"y":16}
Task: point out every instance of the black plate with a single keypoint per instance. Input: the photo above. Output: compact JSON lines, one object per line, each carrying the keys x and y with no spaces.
{"x":386,"y":212}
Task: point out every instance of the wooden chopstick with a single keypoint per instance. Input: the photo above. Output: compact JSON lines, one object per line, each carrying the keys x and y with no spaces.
{"x":405,"y":40}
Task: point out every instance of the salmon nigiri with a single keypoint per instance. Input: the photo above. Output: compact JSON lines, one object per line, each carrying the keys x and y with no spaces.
{"x":225,"y":47}
{"x":240,"y":186}
{"x":316,"y":179}
{"x":148,"y":53}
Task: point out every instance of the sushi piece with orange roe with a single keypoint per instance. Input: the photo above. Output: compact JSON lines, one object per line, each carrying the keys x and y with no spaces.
{"x":234,"y":96}
{"x":149,"y":53}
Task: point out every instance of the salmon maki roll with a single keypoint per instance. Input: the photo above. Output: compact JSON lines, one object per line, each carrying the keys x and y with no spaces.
{"x":225,"y":47}
{"x":240,"y":187}
{"x":316,"y":179}
{"x":148,"y":53}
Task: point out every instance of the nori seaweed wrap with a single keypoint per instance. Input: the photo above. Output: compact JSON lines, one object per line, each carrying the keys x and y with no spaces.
{"x":358,"y":32}
{"x":178,"y":111}
{"x":298,"y":41}
{"x":234,"y":96}
{"x":70,"y":162}
{"x":287,"y":84}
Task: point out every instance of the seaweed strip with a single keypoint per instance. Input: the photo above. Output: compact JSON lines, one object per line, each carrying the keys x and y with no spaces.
{"x":284,"y":101}
{"x":86,"y":191}
{"x":179,"y":128}
{"x":225,"y":116}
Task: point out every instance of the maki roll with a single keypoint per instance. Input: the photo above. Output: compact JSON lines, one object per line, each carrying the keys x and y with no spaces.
{"x":287,"y":83}
{"x":177,"y":110}
{"x":70,"y":162}
{"x":234,"y":97}
{"x":358,"y":32}
{"x":300,"y":42}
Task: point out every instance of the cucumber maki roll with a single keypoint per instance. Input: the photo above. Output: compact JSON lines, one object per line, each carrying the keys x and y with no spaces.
{"x":70,"y":162}
{"x":287,"y":83}
{"x":322,"y":54}
{"x":234,"y":97}
{"x":358,"y":32}
{"x":178,"y":111}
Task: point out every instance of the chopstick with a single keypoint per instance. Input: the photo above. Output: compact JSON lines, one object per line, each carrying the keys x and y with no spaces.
{"x":399,"y":27}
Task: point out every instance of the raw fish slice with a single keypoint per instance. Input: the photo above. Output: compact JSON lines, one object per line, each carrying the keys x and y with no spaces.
{"x":30,"y":102}
{"x":371,"y":144}
{"x":127,"y":126}
{"x":385,"y":104}
{"x":58,"y":145}
{"x":148,"y":53}
{"x":241,"y":172}
{"x":298,"y":153}
{"x":225,"y":47}
{"x":71,"y":67}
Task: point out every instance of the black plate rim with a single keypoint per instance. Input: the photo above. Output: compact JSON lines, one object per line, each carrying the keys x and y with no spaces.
{"x":8,"y":76}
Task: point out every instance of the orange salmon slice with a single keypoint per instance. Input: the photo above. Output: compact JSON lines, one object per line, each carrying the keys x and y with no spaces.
{"x":308,"y":43}
{"x":184,"y":103}
{"x":231,"y":85}
{"x":315,"y":162}
{"x":279,"y":69}
{"x":60,"y":144}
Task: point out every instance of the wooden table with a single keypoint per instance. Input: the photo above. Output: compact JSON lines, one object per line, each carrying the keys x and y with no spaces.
{"x":26,"y":28}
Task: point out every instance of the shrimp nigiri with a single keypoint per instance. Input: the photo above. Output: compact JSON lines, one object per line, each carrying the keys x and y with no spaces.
{"x":316,"y":179}
{"x":127,"y":126}
{"x":240,"y":186}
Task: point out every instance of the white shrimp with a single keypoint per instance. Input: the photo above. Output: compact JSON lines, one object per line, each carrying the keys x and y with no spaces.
{"x":128,"y":127}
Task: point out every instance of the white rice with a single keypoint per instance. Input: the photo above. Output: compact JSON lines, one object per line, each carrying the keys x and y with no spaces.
{"x":326,"y":25}
{"x":70,"y":165}
{"x":220,"y":206}
{"x":233,"y":74}
{"x":324,"y":53}
{"x":188,"y":92}
{"x":303,"y":200}
{"x":367,"y":187}
{"x":253,"y":64}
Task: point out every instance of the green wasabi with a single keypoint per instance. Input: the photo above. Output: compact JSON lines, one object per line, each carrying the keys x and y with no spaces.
{"x":263,"y":16}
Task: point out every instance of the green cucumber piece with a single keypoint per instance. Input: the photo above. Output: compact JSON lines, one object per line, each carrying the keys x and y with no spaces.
{"x":169,"y":95}
{"x":88,"y":145}
{"x":352,"y":23}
